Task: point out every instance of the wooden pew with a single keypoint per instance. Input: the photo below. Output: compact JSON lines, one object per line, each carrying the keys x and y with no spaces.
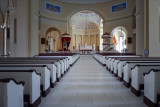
{"x":122,"y":62}
{"x":100,"y":57}
{"x":69,"y":58}
{"x":65,"y":59}
{"x":127,"y":70}
{"x":112,"y":61}
{"x":152,"y":88}
{"x":73,"y":57}
{"x":11,"y":93}
{"x":51,"y":65}
{"x":42,"y":69}
{"x":137,"y":83}
{"x":60,"y":70}
{"x":116,"y":59}
{"x":31,"y":87}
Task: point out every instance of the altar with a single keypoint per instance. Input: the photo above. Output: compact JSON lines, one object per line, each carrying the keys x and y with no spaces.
{"x":86,"y":49}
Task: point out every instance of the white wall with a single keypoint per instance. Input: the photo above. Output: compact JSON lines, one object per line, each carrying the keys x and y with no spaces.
{"x":139,"y":27}
{"x":22,"y":28}
{"x":154,"y":28}
{"x":34,"y":39}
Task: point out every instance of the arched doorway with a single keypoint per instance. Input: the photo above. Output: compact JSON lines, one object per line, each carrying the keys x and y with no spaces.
{"x":119,"y":35}
{"x":86,"y":29}
{"x":53,"y":40}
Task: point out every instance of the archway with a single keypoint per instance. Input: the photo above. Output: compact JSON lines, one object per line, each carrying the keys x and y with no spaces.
{"x":53,"y":40}
{"x":86,"y":29}
{"x":119,"y":34}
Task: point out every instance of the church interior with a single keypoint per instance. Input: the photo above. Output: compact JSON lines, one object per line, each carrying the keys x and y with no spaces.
{"x":87,"y":53}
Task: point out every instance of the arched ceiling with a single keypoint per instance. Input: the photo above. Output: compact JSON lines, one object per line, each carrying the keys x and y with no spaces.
{"x":85,"y":25}
{"x":85,"y":19}
{"x":84,"y":1}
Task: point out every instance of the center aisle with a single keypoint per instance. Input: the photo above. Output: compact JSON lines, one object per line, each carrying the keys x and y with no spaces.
{"x":88,"y":84}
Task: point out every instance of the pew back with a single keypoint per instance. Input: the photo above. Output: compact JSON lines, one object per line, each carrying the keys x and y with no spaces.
{"x":11,"y":93}
{"x":31,"y":79}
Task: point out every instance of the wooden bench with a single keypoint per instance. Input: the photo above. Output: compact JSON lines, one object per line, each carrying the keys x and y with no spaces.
{"x":65,"y":59}
{"x":11,"y":93}
{"x":137,"y":83}
{"x":116,"y":59}
{"x":152,"y":88}
{"x":31,"y":87}
{"x":51,"y":65}
{"x":60,"y":68}
{"x":73,"y":57}
{"x":127,"y":70}
{"x":122,"y":62}
{"x":42,"y":69}
{"x":112,"y":62}
{"x":100,"y":57}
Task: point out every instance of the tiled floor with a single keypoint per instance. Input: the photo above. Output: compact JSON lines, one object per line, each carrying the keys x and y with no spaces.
{"x":88,"y":84}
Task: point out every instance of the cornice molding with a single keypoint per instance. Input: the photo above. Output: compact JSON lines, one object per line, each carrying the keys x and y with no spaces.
{"x":53,"y":21}
{"x":110,"y":21}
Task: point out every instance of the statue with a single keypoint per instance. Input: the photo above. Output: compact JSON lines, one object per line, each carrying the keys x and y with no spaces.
{"x":85,"y":45}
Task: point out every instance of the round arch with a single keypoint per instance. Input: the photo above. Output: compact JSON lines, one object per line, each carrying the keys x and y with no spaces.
{"x":120,"y":36}
{"x":78,"y":10}
{"x":53,"y":40}
{"x":94,"y":38}
{"x":52,"y":29}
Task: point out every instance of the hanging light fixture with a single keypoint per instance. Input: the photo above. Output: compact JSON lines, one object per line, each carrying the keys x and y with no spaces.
{"x":85,"y":25}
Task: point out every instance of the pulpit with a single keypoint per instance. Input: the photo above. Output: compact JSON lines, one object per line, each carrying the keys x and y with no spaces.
{"x":66,"y":38}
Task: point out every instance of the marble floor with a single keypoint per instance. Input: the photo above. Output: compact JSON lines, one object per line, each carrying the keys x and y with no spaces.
{"x":88,"y":84}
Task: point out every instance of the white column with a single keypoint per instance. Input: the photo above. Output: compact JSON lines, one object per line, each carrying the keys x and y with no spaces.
{"x":95,"y":42}
{"x":76,"y":42}
{"x":82,"y":39}
{"x":139,"y":27}
{"x":89,"y":40}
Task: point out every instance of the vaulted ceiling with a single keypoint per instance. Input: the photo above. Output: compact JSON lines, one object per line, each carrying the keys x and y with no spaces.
{"x":85,"y":19}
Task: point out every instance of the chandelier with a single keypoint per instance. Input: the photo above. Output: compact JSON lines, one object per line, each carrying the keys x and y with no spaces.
{"x":85,"y":25}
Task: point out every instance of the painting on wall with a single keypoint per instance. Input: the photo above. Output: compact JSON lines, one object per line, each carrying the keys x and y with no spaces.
{"x":53,"y":8}
{"x":119,"y":7}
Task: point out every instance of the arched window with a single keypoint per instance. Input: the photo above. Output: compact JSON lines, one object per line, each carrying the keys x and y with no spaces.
{"x":119,"y":35}
{"x":87,"y":25}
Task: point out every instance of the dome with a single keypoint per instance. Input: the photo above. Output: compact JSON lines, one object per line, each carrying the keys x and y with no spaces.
{"x":86,"y":25}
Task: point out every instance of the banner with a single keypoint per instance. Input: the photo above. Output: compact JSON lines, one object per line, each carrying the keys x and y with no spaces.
{"x":119,"y":7}
{"x":53,"y":8}
{"x":114,"y":40}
